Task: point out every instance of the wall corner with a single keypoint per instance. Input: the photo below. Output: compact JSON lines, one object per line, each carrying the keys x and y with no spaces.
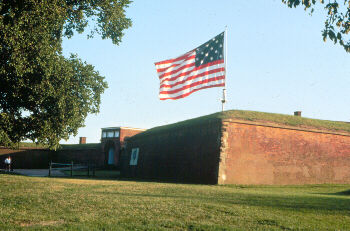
{"x":223,"y":153}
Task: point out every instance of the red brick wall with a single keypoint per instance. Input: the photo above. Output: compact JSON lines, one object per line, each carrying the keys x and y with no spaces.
{"x":117,"y":144}
{"x":27,"y":158}
{"x":32,"y":158}
{"x":254,"y":154}
{"x":107,"y":144}
{"x":127,"y":133}
{"x":187,"y":153}
{"x":81,"y":156}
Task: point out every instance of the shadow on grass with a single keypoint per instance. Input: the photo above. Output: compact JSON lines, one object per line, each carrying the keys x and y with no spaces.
{"x":114,"y":176}
{"x":341,"y":193}
{"x":296,"y":202}
{"x":119,"y":178}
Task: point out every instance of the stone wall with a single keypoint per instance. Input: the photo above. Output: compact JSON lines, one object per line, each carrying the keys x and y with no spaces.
{"x":260,"y":154}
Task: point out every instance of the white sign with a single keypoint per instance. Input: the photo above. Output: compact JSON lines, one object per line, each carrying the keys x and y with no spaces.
{"x":134,"y":156}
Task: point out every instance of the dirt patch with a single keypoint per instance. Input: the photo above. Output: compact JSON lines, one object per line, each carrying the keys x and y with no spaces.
{"x":41,"y":223}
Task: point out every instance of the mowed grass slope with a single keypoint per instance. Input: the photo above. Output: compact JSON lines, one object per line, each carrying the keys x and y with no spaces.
{"x":29,"y":203}
{"x":258,"y":117}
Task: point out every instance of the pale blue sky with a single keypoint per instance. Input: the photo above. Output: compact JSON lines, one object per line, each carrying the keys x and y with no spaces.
{"x":277,"y":62}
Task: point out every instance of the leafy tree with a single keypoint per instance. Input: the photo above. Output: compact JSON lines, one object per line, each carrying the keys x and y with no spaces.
{"x":45,"y":96}
{"x":337,"y":23}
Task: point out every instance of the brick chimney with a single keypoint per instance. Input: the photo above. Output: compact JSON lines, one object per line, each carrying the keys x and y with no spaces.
{"x":297,"y":113}
{"x":82,"y":140}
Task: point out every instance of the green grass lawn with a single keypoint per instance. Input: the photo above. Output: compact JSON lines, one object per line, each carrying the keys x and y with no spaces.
{"x":31,"y":145}
{"x":79,"y":146}
{"x":29,"y":203}
{"x":263,"y":117}
{"x":61,"y":147}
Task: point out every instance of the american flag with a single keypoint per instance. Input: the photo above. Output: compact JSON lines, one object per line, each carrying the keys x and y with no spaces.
{"x":200,"y":68}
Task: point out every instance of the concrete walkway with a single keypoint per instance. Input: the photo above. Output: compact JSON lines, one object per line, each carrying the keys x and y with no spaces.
{"x":38,"y":172}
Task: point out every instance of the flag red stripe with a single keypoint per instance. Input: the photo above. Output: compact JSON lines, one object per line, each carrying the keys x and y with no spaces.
{"x":174,"y":60}
{"x":195,"y":69}
{"x":193,"y":85}
{"x":193,"y":77}
{"x":187,"y":94}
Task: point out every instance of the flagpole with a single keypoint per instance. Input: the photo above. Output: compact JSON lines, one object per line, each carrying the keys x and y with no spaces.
{"x":223,"y":100}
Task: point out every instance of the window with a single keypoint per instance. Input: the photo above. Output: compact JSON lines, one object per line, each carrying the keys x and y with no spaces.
{"x":110,"y":134}
{"x":134,"y":156}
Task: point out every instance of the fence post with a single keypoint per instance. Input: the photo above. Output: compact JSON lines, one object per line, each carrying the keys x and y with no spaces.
{"x":50,"y":168}
{"x":71,"y":169}
{"x":88,"y":170}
